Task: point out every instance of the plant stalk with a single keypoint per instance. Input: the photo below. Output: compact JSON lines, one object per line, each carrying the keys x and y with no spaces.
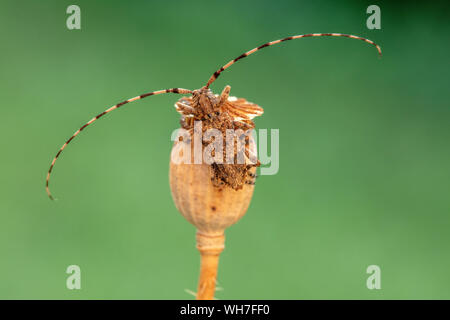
{"x":210,"y":247}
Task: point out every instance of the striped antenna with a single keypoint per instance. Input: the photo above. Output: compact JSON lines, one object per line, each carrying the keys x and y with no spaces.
{"x":268,"y":44}
{"x":173,"y":90}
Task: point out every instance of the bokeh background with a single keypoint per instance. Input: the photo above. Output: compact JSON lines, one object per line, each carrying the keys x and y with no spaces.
{"x":364,"y":149}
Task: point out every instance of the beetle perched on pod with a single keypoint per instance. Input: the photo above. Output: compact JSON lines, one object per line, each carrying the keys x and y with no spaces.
{"x":215,"y":194}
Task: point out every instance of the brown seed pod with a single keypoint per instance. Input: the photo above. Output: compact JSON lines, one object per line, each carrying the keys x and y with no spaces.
{"x":211,"y":209}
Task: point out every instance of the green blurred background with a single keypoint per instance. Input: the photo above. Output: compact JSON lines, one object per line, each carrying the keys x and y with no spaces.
{"x":364,"y":149}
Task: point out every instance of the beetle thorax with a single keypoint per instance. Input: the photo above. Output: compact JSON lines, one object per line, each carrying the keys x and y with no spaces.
{"x":205,"y":100}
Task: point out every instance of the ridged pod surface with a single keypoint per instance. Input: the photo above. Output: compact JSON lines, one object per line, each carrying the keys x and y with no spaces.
{"x":210,"y":209}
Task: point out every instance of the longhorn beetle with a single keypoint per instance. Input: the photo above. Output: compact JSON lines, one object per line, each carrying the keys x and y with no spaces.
{"x":221,"y":111}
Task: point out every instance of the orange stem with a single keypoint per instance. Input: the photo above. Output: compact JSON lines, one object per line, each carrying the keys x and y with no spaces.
{"x":210,"y":247}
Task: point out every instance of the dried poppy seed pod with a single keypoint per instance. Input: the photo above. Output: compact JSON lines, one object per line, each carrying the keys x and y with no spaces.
{"x":211,"y":209}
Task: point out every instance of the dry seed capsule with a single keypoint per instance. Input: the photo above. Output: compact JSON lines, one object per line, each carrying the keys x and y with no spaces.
{"x":211,"y":209}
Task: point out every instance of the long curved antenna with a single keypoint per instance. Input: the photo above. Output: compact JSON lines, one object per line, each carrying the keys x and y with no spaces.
{"x":173,"y":90}
{"x":268,"y":44}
